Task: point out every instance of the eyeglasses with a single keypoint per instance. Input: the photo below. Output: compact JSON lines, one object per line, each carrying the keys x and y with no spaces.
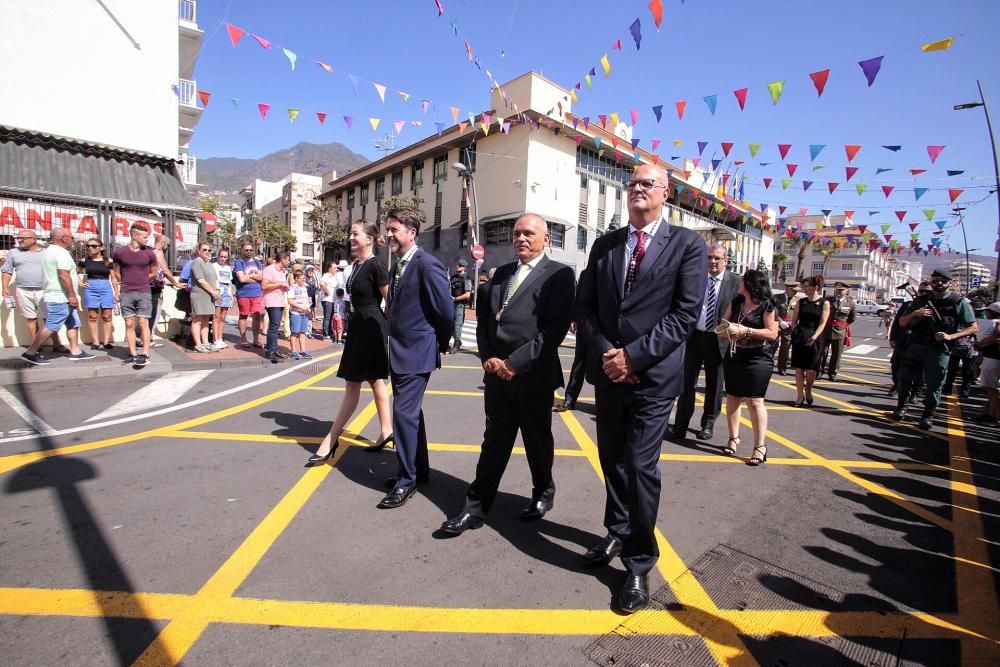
{"x":93,"y":245}
{"x":23,"y":238}
{"x":715,"y":259}
{"x":644,"y":184}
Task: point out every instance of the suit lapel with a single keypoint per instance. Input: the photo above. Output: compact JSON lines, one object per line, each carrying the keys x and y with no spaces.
{"x":618,"y":251}
{"x":532,"y":276}
{"x":655,"y":248}
{"x":408,"y":272}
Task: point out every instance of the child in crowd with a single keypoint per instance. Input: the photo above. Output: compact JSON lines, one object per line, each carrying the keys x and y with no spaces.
{"x":339,"y":310}
{"x":299,"y":314}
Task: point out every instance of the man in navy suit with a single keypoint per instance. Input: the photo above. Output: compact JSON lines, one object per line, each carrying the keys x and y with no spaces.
{"x":419,"y":309}
{"x":524,"y":317}
{"x":637,"y":302}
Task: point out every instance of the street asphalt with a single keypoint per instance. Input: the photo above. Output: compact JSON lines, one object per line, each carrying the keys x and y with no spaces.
{"x":187,"y":530}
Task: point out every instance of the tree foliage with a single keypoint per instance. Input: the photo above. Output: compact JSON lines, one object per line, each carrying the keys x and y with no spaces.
{"x":270,"y":234}
{"x":414,"y":202}
{"x":327,"y":228}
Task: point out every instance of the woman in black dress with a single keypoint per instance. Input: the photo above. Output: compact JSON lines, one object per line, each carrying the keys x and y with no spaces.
{"x":366,"y":353}
{"x":811,"y":314}
{"x":748,"y":360}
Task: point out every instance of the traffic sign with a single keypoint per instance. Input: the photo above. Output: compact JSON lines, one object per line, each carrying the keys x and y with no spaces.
{"x":478,"y":252}
{"x":975,"y":282}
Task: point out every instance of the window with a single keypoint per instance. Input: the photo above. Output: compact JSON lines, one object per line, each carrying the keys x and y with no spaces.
{"x":307,"y":223}
{"x":500,"y":232}
{"x":288,"y":219}
{"x":437,"y":208}
{"x":817,"y":267}
{"x":417,"y":174}
{"x":437,"y":237}
{"x":618,"y":194}
{"x":581,"y":238}
{"x":380,"y":188}
{"x":467,"y":156}
{"x":588,"y":161}
{"x":364,"y":194}
{"x":583,"y":181}
{"x":557,"y":235}
{"x":847,"y":267}
{"x":463,"y":210}
{"x":350,"y":200}
{"x":307,"y":250}
{"x":600,"y":220}
{"x":601,"y":187}
{"x":441,"y":168}
{"x":465,"y":234}
{"x":397,"y":183}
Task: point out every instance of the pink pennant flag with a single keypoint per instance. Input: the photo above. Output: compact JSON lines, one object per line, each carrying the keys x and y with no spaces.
{"x":617,"y":45}
{"x":934,"y":152}
{"x":635,"y":116}
{"x":726,"y":147}
{"x":425,"y":105}
{"x":819,"y":80}
{"x":954,"y":194}
{"x":900,"y":215}
{"x":260,"y":40}
{"x":235,"y":34}
{"x":579,"y":139}
{"x":831,"y":187}
{"x":741,"y":97}
{"x":680,"y":108}
{"x":416,"y":123}
{"x":654,"y":144}
{"x":204,"y":96}
{"x":887,"y":189}
{"x":852,"y":151}
{"x":783,"y":150}
{"x":399,"y":125}
{"x":263,"y":108}
{"x":321,"y":116}
{"x":468,"y":49}
{"x":440,"y":7}
{"x":380,"y":89}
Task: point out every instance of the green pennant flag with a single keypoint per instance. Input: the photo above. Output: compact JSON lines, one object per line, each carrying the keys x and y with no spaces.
{"x":817,"y":167}
{"x":929,"y":212}
{"x":861,"y":188}
{"x":885,"y":228}
{"x":775,"y":88}
{"x":785,"y":182}
{"x":718,"y":207}
{"x":753,"y":149}
{"x":586,"y":77}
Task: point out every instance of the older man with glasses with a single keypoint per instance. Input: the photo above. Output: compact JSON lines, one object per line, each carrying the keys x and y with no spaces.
{"x":23,"y":267}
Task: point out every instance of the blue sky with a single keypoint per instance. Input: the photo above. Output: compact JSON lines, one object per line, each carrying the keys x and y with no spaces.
{"x":704,"y":47}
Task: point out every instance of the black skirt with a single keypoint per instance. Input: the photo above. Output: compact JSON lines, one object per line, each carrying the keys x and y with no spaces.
{"x":748,"y":372}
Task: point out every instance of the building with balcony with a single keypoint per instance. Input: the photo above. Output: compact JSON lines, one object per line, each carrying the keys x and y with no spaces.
{"x":970,"y":277}
{"x":529,"y":152}
{"x":290,"y":200}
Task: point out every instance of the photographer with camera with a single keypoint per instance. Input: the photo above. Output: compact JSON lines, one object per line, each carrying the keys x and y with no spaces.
{"x":934,"y":321}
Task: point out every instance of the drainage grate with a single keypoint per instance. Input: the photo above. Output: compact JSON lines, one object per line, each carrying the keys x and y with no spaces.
{"x":737,"y":581}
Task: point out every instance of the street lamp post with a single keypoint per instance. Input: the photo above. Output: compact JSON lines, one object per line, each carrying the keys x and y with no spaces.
{"x":996,"y":169}
{"x":965,"y":240}
{"x":470,"y":181}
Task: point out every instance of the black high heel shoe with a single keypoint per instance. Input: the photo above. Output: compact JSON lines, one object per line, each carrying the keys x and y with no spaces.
{"x":759,"y":455}
{"x":380,"y":445}
{"x":315,"y":460}
{"x":809,"y":399}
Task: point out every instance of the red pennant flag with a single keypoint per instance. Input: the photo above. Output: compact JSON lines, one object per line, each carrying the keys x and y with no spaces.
{"x":726,"y":147}
{"x":235,"y":34}
{"x":849,"y":215}
{"x":887,"y":189}
{"x":260,"y":40}
{"x":680,"y":109}
{"x":954,"y":194}
{"x":862,"y":228}
{"x":916,"y":172}
{"x":900,"y":215}
{"x":850,"y":172}
{"x":831,"y":187}
{"x":913,"y":226}
{"x":656,"y":159}
{"x":741,"y":97}
{"x":264,"y":108}
{"x":851,"y":151}
{"x":657,"y":8}
{"x":791,"y":168}
{"x":321,"y":116}
{"x":783,"y":150}
{"x":687,"y":174}
{"x":614,"y":142}
{"x":204,"y":96}
{"x":888,"y":237}
{"x":819,"y":80}
{"x":604,"y":120}
{"x":617,"y":45}
{"x":767,"y":183}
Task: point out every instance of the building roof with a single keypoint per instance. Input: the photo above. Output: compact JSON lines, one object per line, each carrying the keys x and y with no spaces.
{"x":45,"y":163}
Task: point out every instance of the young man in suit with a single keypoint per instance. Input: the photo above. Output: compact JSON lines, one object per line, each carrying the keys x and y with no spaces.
{"x":527,"y":310}
{"x":420,"y":310}
{"x":637,"y":302}
{"x":704,"y":347}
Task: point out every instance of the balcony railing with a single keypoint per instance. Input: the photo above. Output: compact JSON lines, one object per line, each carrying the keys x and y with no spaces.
{"x":187,"y":10}
{"x":187,"y":93}
{"x":188,"y":169}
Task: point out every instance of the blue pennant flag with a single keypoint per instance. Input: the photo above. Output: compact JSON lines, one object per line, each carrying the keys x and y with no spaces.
{"x":710,"y":100}
{"x":715,"y":164}
{"x":919,"y":192}
{"x":881,"y":170}
{"x":658,"y":112}
{"x":955,"y":172}
{"x":894,"y":149}
{"x":815,"y":150}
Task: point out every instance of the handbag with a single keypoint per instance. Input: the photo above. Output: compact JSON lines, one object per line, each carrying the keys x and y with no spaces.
{"x":726,"y":329}
{"x":182,"y":301}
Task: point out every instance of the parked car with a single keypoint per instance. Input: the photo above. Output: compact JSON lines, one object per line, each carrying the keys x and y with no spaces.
{"x":866,"y":307}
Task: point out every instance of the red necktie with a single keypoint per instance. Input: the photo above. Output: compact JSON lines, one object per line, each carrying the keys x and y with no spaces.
{"x":635,"y":260}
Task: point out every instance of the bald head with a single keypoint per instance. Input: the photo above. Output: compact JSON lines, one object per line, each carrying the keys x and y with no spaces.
{"x":61,"y":236}
{"x":531,"y":235}
{"x":647,"y":192}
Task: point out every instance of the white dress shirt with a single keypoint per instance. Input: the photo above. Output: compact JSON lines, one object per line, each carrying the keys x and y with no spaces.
{"x":718,"y":300}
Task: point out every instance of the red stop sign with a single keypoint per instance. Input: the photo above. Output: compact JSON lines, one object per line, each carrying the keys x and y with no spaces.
{"x":478,"y":252}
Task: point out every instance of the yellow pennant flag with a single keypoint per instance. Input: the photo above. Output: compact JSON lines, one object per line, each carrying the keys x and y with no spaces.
{"x":677,"y":142}
{"x":606,"y":65}
{"x":405,"y":96}
{"x":374,"y":122}
{"x":940,"y":45}
{"x":572,"y":94}
{"x":486,"y":128}
{"x":586,"y":77}
{"x":614,"y":119}
{"x":292,"y":113}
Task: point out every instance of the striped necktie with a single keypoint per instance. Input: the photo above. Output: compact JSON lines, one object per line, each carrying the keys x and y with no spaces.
{"x":711,"y":303}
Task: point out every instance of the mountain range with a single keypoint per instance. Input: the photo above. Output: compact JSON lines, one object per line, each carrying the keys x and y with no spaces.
{"x":230,"y":174}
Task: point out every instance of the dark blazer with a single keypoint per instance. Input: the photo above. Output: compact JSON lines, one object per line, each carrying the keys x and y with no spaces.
{"x":532,"y":326}
{"x":727,"y":292}
{"x":655,"y":319}
{"x":420,"y":314}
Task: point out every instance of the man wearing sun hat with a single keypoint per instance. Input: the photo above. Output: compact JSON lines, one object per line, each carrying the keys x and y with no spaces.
{"x":934,"y":322}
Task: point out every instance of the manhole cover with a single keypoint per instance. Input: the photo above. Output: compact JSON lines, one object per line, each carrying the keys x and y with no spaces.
{"x":313,"y":369}
{"x":737,"y":581}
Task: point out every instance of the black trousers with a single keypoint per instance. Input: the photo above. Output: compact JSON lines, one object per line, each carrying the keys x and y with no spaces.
{"x":510,"y":408}
{"x":702,"y":348}
{"x":966,"y":359}
{"x":630,"y":430}
{"x":578,"y":371}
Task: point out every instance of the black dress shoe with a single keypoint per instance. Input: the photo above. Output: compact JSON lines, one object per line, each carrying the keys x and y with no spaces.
{"x":925,"y":423}
{"x":380,"y":445}
{"x":602,"y":552}
{"x":677,"y":433}
{"x":390,"y":482}
{"x":634,"y":595}
{"x":396,"y":498}
{"x":705,"y":433}
{"x":460,"y":523}
{"x":898,"y":414}
{"x":536,"y":509}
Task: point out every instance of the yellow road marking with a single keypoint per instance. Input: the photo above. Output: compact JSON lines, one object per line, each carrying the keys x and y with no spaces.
{"x":429,"y":392}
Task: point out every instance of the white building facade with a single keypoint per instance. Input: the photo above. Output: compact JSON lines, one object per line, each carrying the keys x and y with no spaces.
{"x":290,"y":200}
